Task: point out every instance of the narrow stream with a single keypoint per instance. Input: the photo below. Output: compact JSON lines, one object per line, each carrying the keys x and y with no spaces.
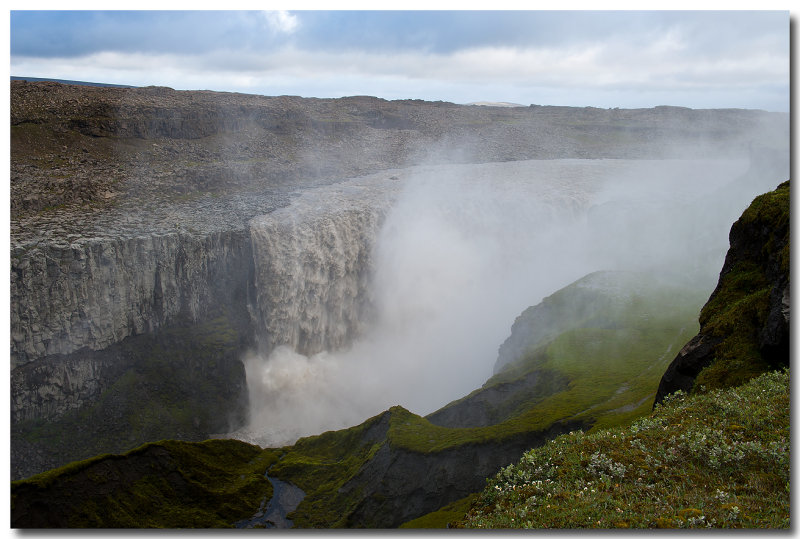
{"x":285,"y":499}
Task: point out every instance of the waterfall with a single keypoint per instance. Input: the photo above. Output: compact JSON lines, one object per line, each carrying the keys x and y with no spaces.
{"x":313,"y":265}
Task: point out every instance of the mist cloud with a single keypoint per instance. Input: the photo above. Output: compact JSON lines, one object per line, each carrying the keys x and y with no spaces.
{"x":466,"y":248}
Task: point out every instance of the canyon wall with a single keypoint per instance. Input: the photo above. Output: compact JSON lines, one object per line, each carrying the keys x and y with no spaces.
{"x":96,"y":292}
{"x":117,"y":341}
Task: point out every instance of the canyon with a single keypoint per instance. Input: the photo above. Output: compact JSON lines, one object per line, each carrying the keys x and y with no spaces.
{"x":167,"y":246}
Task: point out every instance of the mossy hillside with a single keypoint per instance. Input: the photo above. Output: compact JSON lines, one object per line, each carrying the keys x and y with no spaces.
{"x":739,"y":307}
{"x":613,"y":373}
{"x":594,"y":300}
{"x":343,"y":471}
{"x":720,"y":459}
{"x":184,"y":383}
{"x":613,"y":363}
{"x":168,"y":484}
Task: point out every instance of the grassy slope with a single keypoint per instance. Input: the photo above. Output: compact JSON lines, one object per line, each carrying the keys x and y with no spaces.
{"x":321,"y":464}
{"x":720,"y":459}
{"x":613,"y":363}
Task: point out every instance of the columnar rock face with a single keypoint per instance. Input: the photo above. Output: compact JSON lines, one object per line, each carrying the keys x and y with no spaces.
{"x":313,"y":263}
{"x":94,"y":293}
{"x":47,"y":389}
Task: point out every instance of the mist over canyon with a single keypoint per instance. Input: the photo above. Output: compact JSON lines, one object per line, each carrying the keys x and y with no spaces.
{"x":189,"y":264}
{"x":399,"y":288}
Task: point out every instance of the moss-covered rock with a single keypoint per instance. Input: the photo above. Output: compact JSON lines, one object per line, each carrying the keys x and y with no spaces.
{"x":744,"y":326}
{"x":396,"y":467}
{"x":595,"y":349}
{"x":167,"y":484}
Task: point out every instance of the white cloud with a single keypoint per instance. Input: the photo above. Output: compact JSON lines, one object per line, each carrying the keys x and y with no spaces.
{"x":281,"y":21}
{"x":657,"y":66}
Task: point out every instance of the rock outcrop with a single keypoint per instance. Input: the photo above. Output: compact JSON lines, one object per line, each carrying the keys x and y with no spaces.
{"x":744,"y":326}
{"x":388,"y":497}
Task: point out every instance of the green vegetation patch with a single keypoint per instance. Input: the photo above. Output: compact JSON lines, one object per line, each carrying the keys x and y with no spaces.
{"x":167,"y":484}
{"x":614,"y":367}
{"x":720,"y":459}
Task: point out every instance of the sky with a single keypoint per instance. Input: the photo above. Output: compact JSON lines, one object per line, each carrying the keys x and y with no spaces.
{"x":626,"y":59}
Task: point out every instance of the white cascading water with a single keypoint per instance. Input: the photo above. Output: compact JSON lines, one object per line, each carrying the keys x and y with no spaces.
{"x":312,"y":276}
{"x":399,"y":287}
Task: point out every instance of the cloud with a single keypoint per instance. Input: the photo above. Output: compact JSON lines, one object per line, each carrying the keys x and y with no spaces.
{"x":736,"y":59}
{"x":281,"y":21}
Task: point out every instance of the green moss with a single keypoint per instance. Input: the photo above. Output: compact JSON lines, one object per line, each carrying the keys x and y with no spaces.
{"x":613,"y":370}
{"x":321,"y":465}
{"x":772,"y":207}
